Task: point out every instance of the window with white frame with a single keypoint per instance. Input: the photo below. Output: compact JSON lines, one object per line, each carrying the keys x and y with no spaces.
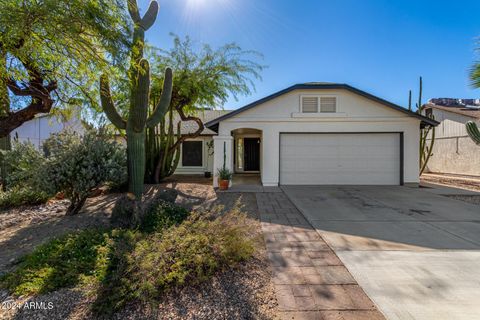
{"x":192,"y":154}
{"x":316,"y":104}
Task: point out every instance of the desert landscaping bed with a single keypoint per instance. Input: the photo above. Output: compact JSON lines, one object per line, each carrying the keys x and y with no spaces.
{"x":450,"y":180}
{"x":242,"y":292}
{"x":470,"y":183}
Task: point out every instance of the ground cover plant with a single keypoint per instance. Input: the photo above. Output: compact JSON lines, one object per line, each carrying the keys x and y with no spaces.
{"x":171,"y":248}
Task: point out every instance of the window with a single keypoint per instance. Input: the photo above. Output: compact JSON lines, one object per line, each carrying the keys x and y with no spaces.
{"x":192,"y":153}
{"x":328,"y":104}
{"x":315,"y":104}
{"x":309,"y":104}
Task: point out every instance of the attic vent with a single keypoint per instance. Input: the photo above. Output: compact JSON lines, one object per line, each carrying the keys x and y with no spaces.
{"x":309,"y":104}
{"x":328,"y":104}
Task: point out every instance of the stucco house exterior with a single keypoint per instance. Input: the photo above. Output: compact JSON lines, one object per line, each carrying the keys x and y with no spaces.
{"x":37,"y":130}
{"x":454,"y":151}
{"x":321,"y":133}
{"x":307,"y":134}
{"x":196,"y":157}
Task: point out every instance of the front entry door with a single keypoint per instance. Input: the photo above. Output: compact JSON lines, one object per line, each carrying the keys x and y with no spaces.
{"x":251,"y":154}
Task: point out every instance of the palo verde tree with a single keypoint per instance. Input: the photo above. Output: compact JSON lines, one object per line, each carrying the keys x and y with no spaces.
{"x":203,"y":77}
{"x":138,"y":119}
{"x":426,"y":133}
{"x":51,"y":52}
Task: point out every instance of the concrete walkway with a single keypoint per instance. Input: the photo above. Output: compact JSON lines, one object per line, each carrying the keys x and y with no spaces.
{"x":415,"y":253}
{"x":310,"y":281}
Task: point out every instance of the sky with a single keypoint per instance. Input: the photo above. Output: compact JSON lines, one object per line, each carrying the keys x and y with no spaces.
{"x":378,"y":46}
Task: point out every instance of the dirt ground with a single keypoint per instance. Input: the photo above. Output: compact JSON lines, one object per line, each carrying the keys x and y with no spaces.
{"x":244,"y":292}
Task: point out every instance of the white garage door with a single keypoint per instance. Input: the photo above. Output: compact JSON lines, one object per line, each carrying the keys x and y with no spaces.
{"x":349,"y":159}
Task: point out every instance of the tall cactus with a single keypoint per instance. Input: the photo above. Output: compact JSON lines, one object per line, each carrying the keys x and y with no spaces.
{"x":425,"y":147}
{"x":473,"y":132}
{"x":162,"y":154}
{"x":138,"y":119}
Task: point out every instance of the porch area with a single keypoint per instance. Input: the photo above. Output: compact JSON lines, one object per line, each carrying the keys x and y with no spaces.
{"x":249,"y":182}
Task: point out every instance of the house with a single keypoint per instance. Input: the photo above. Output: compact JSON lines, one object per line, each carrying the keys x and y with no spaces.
{"x":453,"y":150}
{"x":42,"y":126}
{"x":320,"y":133}
{"x":195,"y":155}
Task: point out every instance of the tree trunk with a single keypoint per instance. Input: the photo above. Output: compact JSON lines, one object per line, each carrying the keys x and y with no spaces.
{"x":5,"y":143}
{"x":75,"y":206}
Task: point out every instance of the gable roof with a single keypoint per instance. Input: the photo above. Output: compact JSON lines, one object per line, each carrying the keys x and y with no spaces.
{"x":459,"y":109}
{"x":322,"y":85}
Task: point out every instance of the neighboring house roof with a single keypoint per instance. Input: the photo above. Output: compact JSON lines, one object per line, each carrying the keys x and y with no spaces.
{"x":316,"y":86}
{"x":204,"y":115}
{"x":458,"y":109}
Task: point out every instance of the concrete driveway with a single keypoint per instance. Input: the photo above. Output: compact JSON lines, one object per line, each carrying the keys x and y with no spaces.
{"x":415,"y":253}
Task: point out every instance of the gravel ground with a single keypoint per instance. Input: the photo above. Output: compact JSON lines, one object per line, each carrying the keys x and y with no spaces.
{"x":22,"y":229}
{"x":455,"y":181}
{"x":243,"y":292}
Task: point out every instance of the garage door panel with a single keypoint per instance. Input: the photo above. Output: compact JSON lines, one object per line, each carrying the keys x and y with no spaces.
{"x":362,"y":158}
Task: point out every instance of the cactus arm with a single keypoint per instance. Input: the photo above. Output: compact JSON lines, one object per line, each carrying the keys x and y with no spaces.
{"x":108,"y":105}
{"x":139,"y":106}
{"x":148,"y":19}
{"x":150,"y":16}
{"x":473,"y":131}
{"x":164,"y":103}
{"x":133,"y":10}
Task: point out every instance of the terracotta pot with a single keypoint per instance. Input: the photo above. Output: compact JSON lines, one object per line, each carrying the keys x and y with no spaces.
{"x":223,"y":184}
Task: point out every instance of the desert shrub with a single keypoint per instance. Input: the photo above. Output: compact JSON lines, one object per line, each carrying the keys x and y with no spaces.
{"x":130,"y":266}
{"x":154,"y":215}
{"x":78,"y":166}
{"x":63,"y":262}
{"x":188,"y":253}
{"x":161,"y":215}
{"x":20,"y":196}
{"x":57,"y":142}
{"x":25,"y":165}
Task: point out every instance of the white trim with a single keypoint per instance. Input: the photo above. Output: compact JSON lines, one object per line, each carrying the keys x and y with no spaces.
{"x":247,"y":135}
{"x":206,"y":166}
{"x":319,"y":115}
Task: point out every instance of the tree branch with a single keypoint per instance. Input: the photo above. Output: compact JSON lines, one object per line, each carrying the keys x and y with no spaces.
{"x":179,"y":104}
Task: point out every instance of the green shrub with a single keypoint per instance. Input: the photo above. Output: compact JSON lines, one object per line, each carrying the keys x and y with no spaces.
{"x":19,"y":196}
{"x":25,"y":166}
{"x":80,"y":165}
{"x":63,"y":262}
{"x":128,"y":266}
{"x":161,"y":215}
{"x":189,"y":253}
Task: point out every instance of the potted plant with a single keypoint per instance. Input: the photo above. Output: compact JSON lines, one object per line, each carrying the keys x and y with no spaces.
{"x":224,"y":177}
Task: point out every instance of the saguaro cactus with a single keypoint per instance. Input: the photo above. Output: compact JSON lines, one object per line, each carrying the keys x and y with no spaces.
{"x":138,"y":119}
{"x":426,"y":147}
{"x":473,"y":131}
{"x":162,"y":154}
